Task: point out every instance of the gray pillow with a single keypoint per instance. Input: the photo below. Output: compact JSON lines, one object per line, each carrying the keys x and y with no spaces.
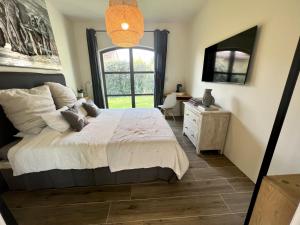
{"x":77,"y":122}
{"x":91,"y":109}
{"x":4,"y":150}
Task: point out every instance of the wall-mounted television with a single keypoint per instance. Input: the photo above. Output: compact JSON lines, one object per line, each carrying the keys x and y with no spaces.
{"x":228,"y":61}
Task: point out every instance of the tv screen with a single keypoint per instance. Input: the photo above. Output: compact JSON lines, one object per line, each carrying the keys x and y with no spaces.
{"x":228,"y":61}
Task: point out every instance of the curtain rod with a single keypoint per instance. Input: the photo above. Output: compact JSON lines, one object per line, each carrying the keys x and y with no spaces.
{"x":146,"y":31}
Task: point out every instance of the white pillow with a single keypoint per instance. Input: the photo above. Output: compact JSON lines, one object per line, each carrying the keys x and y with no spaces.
{"x":23,"y":107}
{"x":62,"y":95}
{"x":56,"y":121}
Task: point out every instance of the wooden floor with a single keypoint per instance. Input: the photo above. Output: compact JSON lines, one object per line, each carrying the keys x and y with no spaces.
{"x":213,"y":192}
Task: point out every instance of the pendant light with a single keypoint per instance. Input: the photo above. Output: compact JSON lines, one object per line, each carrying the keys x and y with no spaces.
{"x":124,"y":23}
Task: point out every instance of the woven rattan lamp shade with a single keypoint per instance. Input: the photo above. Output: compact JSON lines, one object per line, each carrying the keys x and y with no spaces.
{"x":124,"y":23}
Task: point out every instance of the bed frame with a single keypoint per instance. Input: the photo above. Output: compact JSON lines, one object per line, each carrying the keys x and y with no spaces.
{"x":61,"y":178}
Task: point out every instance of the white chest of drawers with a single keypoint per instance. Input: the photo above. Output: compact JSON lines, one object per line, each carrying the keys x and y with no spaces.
{"x":206,"y":129}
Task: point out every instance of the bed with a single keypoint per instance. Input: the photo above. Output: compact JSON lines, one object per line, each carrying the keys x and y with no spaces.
{"x":117,"y":147}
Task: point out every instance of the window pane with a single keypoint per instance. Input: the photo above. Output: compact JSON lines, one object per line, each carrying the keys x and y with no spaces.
{"x":116,"y":61}
{"x":241,"y":61}
{"x":122,"y":102}
{"x":146,"y":101}
{"x":144,"y":83}
{"x":222,"y":61}
{"x":220,"y":77}
{"x":118,"y":84}
{"x":143,"y":60}
{"x":238,"y":78}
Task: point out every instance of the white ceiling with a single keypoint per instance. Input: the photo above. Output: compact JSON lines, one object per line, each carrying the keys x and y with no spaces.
{"x":153,"y":10}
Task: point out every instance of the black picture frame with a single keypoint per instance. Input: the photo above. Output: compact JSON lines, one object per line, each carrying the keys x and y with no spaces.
{"x":277,"y":126}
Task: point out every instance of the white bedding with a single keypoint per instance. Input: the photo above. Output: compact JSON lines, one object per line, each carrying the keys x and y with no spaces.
{"x":120,"y":139}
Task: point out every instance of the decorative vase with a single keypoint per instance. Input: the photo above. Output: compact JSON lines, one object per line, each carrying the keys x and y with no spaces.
{"x":208,"y":99}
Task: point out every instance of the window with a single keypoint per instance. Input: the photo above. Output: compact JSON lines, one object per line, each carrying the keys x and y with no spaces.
{"x":128,"y":77}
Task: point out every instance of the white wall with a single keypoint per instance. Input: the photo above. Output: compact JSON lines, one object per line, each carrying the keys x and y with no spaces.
{"x":63,"y":34}
{"x":176,"y":59}
{"x":253,"y":106}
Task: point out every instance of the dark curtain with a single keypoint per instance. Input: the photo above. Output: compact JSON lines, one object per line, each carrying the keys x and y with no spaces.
{"x":160,"y":56}
{"x":95,"y":71}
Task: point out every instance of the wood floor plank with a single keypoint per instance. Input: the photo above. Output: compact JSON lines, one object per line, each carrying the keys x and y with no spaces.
{"x":189,"y":149}
{"x":14,"y":199}
{"x":198,"y":164}
{"x":79,"y":214}
{"x":159,"y":190}
{"x":177,"y":123}
{"x":58,"y":197}
{"x":166,"y":208}
{"x":218,"y":162}
{"x":185,"y":141}
{"x":184,"y":144}
{"x":217,"y":172}
{"x":210,"y":154}
{"x":126,"y":223}
{"x":228,"y":219}
{"x":242,"y":184}
{"x":193,"y":156}
{"x":237,"y":202}
{"x":188,"y":176}
{"x":177,"y":131}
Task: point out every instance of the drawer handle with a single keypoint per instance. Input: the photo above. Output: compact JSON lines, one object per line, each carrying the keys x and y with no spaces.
{"x":192,"y":135}
{"x":194,"y":120}
{"x":186,"y":127}
{"x":187,"y":114}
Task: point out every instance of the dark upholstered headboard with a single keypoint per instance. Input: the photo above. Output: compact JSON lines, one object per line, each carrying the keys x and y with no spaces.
{"x":21,"y":80}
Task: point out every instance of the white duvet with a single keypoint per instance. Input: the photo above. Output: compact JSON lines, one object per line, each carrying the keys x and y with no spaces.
{"x":119,"y":139}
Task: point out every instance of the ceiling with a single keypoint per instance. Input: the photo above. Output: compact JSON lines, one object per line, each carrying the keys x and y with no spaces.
{"x":153,"y":10}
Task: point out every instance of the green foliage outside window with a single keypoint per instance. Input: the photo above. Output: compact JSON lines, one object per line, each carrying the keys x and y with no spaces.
{"x":118,"y":80}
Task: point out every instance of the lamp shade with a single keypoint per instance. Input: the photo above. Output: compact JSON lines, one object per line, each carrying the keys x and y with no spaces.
{"x":124,"y":23}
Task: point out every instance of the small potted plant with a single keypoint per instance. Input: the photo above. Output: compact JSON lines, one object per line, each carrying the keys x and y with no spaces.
{"x":80,"y":93}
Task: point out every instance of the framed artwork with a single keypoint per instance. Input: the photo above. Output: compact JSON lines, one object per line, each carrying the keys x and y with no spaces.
{"x":26,"y":36}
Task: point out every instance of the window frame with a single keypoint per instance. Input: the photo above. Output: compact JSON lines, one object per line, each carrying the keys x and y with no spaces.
{"x":131,"y":72}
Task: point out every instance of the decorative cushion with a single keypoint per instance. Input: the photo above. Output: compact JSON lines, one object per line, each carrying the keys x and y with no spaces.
{"x":91,"y":108}
{"x":76,"y":121}
{"x":56,"y":121}
{"x":62,"y":95}
{"x":24,"y":107}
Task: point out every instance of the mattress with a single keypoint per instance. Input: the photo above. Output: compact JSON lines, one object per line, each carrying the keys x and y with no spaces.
{"x":119,"y":139}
